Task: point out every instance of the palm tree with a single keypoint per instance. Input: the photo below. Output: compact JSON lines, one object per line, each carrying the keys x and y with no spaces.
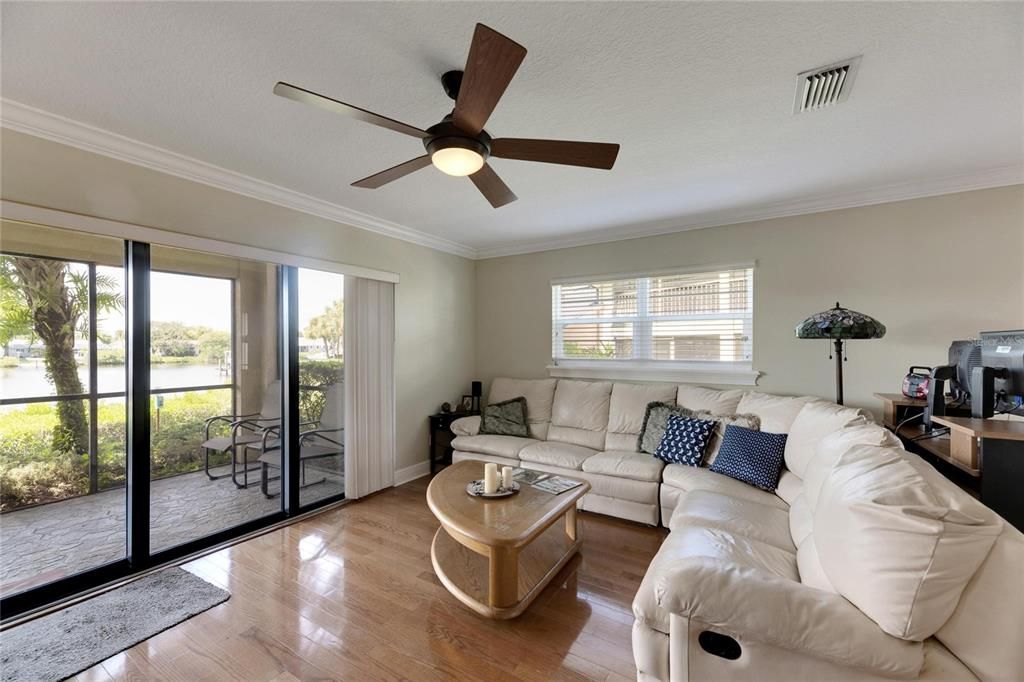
{"x":54,"y":300}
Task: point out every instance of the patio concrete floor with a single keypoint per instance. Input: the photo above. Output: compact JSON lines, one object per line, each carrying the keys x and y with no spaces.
{"x":41,"y":544}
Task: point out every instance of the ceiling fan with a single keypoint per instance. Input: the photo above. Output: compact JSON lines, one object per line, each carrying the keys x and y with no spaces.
{"x":459,"y":145}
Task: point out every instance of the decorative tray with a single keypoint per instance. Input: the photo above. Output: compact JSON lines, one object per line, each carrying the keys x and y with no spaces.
{"x":476,"y":489}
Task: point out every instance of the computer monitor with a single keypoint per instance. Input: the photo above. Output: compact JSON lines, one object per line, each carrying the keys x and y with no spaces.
{"x":1003,"y":352}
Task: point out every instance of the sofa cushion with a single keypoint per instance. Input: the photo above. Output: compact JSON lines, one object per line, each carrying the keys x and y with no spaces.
{"x":614,"y":487}
{"x":698,"y":478}
{"x":627,"y":407}
{"x":809,"y":565}
{"x":557,"y":454}
{"x":892,"y":545}
{"x":746,"y":518}
{"x":579,"y":414}
{"x":801,"y":522}
{"x":790,"y":486}
{"x":466,"y":426}
{"x":989,"y":612}
{"x":634,"y":465}
{"x":714,"y":401}
{"x":539,"y":394}
{"x":754,"y":457}
{"x":747,"y":421}
{"x":507,"y":418}
{"x":459,"y":456}
{"x":777,"y":412}
{"x":685,"y":440}
{"x":711,"y":545}
{"x":816,"y":420}
{"x":835,"y":444}
{"x":502,"y":446}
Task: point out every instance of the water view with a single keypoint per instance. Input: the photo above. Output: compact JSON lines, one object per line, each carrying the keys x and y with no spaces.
{"x":28,"y":379}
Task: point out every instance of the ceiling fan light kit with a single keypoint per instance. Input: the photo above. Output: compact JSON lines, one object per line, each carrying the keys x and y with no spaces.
{"x":453,"y":152}
{"x":459,"y":145}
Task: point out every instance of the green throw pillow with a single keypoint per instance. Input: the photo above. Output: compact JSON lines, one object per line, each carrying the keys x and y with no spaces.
{"x":655,"y":421}
{"x":507,"y":418}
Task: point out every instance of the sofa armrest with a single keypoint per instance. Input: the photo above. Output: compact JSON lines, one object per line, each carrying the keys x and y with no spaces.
{"x":754,"y":605}
{"x":466,"y":426}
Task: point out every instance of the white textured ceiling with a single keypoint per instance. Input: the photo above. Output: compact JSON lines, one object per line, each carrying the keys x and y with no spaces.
{"x":699,"y":95}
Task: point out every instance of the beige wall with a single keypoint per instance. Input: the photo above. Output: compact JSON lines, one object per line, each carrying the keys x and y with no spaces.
{"x":457,"y":320}
{"x":932,"y":270}
{"x":434,"y":301}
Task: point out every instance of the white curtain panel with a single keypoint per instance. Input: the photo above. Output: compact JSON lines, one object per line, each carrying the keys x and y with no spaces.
{"x":369,"y":386}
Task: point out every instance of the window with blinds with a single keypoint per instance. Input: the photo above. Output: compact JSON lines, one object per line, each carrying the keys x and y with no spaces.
{"x":681,"y":317}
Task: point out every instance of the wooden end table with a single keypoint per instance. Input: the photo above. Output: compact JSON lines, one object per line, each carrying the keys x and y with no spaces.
{"x":497,"y":555}
{"x":441,"y":437}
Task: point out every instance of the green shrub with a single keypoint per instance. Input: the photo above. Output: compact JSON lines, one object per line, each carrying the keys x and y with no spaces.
{"x":313,"y":375}
{"x":32,"y":472}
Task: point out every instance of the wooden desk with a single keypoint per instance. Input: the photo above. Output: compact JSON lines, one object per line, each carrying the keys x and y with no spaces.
{"x":896,"y":407}
{"x":1000,"y":445}
{"x":939,"y":446}
{"x":957,"y":450}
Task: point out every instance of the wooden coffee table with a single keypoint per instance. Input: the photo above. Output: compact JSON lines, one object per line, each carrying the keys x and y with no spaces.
{"x":497,"y":555}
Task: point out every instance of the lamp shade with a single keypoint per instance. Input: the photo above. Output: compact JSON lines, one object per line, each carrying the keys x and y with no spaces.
{"x":840,"y":323}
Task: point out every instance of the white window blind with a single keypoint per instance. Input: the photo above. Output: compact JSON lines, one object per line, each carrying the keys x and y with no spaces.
{"x":669,"y":318}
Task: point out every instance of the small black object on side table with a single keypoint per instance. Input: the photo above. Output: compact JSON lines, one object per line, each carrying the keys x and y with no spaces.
{"x":441,"y":437}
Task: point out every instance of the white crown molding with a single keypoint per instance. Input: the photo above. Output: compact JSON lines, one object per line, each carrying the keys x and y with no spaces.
{"x":918,"y":189}
{"x":25,"y":119}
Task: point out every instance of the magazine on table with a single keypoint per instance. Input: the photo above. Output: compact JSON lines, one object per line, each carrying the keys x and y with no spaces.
{"x":556,"y":484}
{"x":528,"y":476}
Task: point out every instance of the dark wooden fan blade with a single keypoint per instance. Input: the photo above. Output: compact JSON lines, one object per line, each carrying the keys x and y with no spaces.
{"x":401,"y":170}
{"x":492,"y":62}
{"x":588,"y":154}
{"x":492,"y":187}
{"x":309,"y":97}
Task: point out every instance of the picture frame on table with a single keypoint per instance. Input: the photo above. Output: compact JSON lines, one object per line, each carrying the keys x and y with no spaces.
{"x":466,"y":404}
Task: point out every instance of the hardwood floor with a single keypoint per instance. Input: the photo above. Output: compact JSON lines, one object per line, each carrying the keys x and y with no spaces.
{"x":350,"y":594}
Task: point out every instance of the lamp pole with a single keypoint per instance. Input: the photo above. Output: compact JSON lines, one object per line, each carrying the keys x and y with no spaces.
{"x":839,"y":371}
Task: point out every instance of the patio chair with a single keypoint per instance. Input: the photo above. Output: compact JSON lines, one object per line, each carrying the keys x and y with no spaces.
{"x":326,"y":440}
{"x":247,"y":431}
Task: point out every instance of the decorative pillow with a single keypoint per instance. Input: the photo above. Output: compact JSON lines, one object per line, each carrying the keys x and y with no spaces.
{"x":747,"y":421}
{"x":754,"y":457}
{"x":655,"y":421}
{"x":685,"y":441}
{"x":507,"y":418}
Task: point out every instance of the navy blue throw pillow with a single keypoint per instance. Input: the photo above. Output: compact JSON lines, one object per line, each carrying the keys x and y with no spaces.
{"x":685,"y":440}
{"x":754,"y":457}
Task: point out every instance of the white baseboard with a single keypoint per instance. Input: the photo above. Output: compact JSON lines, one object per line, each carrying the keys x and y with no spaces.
{"x":412,"y":473}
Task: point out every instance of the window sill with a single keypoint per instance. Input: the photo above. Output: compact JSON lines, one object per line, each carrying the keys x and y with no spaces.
{"x":731,"y":375}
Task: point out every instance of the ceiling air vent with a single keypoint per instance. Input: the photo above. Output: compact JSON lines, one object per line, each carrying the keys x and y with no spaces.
{"x":825,"y":85}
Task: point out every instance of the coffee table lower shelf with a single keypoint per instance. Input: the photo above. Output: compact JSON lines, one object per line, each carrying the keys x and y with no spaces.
{"x":501,"y":582}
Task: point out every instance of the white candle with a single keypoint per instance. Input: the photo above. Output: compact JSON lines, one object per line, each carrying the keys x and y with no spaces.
{"x":490,"y":478}
{"x":506,"y":478}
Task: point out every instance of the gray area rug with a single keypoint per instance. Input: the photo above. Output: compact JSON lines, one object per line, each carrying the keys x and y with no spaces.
{"x":67,"y":642}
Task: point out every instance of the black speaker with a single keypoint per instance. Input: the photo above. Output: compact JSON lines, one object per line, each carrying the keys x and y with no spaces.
{"x":478,"y":389}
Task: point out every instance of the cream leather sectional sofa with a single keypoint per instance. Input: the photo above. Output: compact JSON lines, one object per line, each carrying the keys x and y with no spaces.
{"x":864,"y":564}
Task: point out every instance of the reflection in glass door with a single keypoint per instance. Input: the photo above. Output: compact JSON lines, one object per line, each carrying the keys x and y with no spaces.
{"x":215,"y":402}
{"x":321,"y":385}
{"x":62,"y":406}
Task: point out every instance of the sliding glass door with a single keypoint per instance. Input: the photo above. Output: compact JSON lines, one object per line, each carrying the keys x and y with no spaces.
{"x":215,"y":389}
{"x":155,"y":401}
{"x":321,"y":385}
{"x":62,"y":406}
